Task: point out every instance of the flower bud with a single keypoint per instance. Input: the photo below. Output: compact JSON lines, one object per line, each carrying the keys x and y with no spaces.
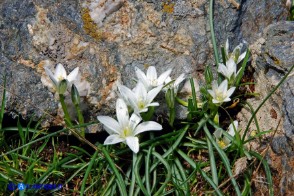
{"x":75,"y":96}
{"x":62,"y":86}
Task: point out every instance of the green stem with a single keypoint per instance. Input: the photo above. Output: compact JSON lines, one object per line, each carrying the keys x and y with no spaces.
{"x":216,"y":56}
{"x":262,"y":103}
{"x":133,"y":180}
{"x":64,"y":108}
{"x":80,"y":118}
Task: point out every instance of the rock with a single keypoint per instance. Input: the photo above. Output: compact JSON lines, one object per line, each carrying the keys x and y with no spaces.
{"x":107,"y":47}
{"x":272,"y":57}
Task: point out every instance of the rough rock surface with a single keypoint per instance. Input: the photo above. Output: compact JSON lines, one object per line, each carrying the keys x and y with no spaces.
{"x":165,"y":34}
{"x":273,"y":56}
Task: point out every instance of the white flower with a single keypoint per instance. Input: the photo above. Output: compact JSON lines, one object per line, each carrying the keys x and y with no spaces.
{"x":175,"y":84}
{"x":138,"y":98}
{"x":126,"y":129}
{"x":235,"y":55}
{"x":229,"y":70}
{"x":150,"y":80}
{"x":60,"y":74}
{"x":225,"y":142}
{"x":221,"y":93}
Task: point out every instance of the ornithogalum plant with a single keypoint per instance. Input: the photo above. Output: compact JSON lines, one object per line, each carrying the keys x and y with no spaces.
{"x":125,"y":129}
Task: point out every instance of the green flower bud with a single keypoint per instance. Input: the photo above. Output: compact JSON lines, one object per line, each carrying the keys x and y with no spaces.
{"x":75,"y":96}
{"x":170,"y":98}
{"x":62,"y":86}
{"x":208,"y":75}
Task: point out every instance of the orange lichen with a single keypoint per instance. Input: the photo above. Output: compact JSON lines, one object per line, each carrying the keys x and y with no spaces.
{"x":90,"y":26}
{"x":168,"y":7}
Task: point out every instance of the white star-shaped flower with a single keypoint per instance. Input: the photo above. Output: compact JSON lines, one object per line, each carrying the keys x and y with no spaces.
{"x":221,"y":93}
{"x":126,"y":129}
{"x":150,"y":80}
{"x":139,"y":98}
{"x":60,"y":74}
{"x":229,"y":70}
{"x":235,"y":55}
{"x":225,"y":142}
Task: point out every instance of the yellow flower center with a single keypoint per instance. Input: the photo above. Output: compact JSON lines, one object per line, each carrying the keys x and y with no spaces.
{"x":60,"y":77}
{"x":219,"y":96}
{"x":141,"y":104}
{"x":126,"y":132}
{"x":221,"y":144}
{"x":153,"y":82}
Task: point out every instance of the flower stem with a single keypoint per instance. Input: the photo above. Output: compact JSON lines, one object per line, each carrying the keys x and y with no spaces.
{"x":133,"y":180}
{"x":80,"y":118}
{"x":64,"y":108}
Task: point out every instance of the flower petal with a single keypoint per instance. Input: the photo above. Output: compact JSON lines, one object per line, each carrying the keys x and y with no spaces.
{"x":142,"y":77}
{"x":73,"y":75}
{"x":218,"y":133}
{"x":233,"y":126}
{"x":147,"y":126}
{"x":223,"y":70}
{"x":60,"y":72}
{"x":129,"y":95}
{"x":163,"y":77}
{"x":51,"y":76}
{"x":230,"y":91}
{"x":231,"y":66}
{"x":153,"y":93}
{"x":212,"y":93}
{"x":133,"y":143}
{"x":134,"y":121}
{"x":241,"y":57}
{"x":113,"y":139}
{"x":151,"y":73}
{"x":110,"y":123}
{"x":223,"y":87}
{"x":227,"y":48}
{"x":122,"y":113}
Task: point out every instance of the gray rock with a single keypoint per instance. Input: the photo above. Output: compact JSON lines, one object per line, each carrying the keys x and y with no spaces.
{"x":35,"y":34}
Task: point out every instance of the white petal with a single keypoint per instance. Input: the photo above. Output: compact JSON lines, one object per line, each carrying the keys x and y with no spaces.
{"x":129,"y":95}
{"x":178,"y":81}
{"x":140,"y":91}
{"x":151,"y":73}
{"x":51,"y":76}
{"x":110,"y":123}
{"x":216,"y":101}
{"x":231,"y":129}
{"x":227,"y":47}
{"x":73,"y":75}
{"x":241,"y":57}
{"x":142,"y":77}
{"x":153,"y":104}
{"x":212,"y":93}
{"x":113,"y":139}
{"x":133,"y":143}
{"x":153,"y":93}
{"x":163,"y":77}
{"x":122,"y":113}
{"x":227,"y":141}
{"x":147,"y":126}
{"x":232,"y":67}
{"x":223,"y":87}
{"x":214,"y":85}
{"x":134,"y":121}
{"x":60,"y":72}
{"x":218,"y":133}
{"x":227,"y":99}
{"x":223,"y":70}
{"x":230,"y":91}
